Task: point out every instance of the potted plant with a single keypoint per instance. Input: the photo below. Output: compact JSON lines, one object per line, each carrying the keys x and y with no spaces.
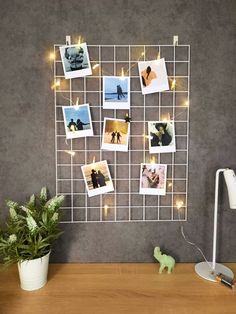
{"x":27,"y":238}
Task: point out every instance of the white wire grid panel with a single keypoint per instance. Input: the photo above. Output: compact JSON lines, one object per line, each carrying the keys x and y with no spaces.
{"x":125,"y":204}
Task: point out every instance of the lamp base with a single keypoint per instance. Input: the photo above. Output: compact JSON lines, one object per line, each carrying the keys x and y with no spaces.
{"x":204,"y":270}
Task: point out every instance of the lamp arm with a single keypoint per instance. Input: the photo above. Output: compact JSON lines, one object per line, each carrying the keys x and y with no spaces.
{"x":215,"y":216}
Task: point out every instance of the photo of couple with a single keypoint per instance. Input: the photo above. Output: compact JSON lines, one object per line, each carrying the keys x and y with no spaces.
{"x":77,"y":121}
{"x":115,"y":135}
{"x":97,"y":178}
{"x":153,"y":76}
{"x":153,"y":179}
{"x":75,"y":60}
{"x":161,"y":137}
{"x":116,"y":92}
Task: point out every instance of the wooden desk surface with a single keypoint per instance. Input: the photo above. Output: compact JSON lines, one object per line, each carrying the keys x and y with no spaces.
{"x":115,"y":289}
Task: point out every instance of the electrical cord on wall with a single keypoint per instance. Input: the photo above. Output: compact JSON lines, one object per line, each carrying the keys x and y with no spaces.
{"x":191,"y":243}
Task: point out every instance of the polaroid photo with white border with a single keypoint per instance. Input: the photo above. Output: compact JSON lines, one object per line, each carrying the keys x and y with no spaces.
{"x":77,"y":121}
{"x":116,"y":92}
{"x":75,"y":60}
{"x":153,"y":179}
{"x":97,"y":178}
{"x":161,"y":135}
{"x":115,"y":135}
{"x":153,"y":76}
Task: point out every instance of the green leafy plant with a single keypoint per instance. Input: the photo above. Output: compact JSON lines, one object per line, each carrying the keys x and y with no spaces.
{"x":31,"y":228}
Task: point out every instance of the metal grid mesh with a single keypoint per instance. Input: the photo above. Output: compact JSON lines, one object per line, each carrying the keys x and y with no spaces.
{"x":125,"y":204}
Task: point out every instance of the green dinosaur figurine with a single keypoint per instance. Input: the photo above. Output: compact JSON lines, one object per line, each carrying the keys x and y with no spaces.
{"x":164,"y":260}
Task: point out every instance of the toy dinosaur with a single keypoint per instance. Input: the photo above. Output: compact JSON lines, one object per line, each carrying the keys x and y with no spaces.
{"x":164,"y":260}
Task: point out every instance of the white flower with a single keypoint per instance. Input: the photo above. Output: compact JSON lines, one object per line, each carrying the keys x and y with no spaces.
{"x":25,"y":209}
{"x":12,"y":238}
{"x":13,"y":214}
{"x":32,"y":225}
{"x":43,"y":194}
{"x":55,"y":217}
{"x":11,"y":204}
{"x":32,"y":200}
{"x":54,"y":202}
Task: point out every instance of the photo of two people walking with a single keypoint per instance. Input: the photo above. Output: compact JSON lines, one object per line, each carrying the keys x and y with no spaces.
{"x":97,"y":178}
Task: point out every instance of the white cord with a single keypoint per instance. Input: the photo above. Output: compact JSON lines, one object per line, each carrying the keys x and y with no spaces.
{"x":191,"y":243}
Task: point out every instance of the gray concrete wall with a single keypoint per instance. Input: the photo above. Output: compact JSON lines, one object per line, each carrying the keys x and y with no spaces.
{"x":28,"y":30}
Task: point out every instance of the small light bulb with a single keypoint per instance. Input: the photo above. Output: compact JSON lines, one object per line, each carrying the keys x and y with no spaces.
{"x":153,"y":160}
{"x":122,"y":72}
{"x":52,"y":56}
{"x":158,"y":55}
{"x":70,"y":152}
{"x":170,"y":185}
{"x":79,"y":40}
{"x":56,"y":84}
{"x":95,"y":66}
{"x":173,"y":84}
{"x":142,"y":54}
{"x":186,"y":103}
{"x":166,"y":118}
{"x":77,"y":104}
{"x":179,"y":204}
{"x":105,"y":210}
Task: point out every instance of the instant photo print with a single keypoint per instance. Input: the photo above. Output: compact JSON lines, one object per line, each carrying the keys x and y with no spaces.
{"x":97,"y":178}
{"x":116,"y":92}
{"x":153,"y":179}
{"x":115,"y":135}
{"x":161,"y":137}
{"x":75,"y":60}
{"x":153,"y":76}
{"x":77,"y":121}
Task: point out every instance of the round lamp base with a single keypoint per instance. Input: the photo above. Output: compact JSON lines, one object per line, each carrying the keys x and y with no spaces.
{"x":204,"y":270}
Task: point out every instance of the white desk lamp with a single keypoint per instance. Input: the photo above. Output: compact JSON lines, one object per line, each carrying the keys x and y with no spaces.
{"x":205,"y":269}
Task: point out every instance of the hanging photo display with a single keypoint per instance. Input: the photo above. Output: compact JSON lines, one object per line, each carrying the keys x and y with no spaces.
{"x":75,"y":60}
{"x":77,"y":121}
{"x":153,"y":76}
{"x":115,"y":135}
{"x":153,"y":179}
{"x":97,"y":178}
{"x":121,"y":128}
{"x":161,"y":137}
{"x":116,"y":92}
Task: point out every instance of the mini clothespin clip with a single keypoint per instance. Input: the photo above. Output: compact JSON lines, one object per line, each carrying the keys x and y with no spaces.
{"x":127,"y":118}
{"x":68,"y":40}
{"x":175,"y":40}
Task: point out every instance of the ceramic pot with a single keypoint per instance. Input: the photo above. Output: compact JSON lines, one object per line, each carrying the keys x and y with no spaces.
{"x":33,"y":273}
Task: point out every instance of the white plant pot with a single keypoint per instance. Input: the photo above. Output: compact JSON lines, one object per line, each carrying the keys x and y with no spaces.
{"x":33,"y":273}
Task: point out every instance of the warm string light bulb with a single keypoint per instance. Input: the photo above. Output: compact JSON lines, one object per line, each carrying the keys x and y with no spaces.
{"x":170,"y":184}
{"x":122,"y":72}
{"x":56,"y":84}
{"x":95,"y":66}
{"x":70,"y":152}
{"x":173,"y":84}
{"x":179,"y":204}
{"x":148,"y":136}
{"x":166,"y":118}
{"x":105,"y":210}
{"x":186,"y":103}
{"x":77,"y":104}
{"x":79,"y":40}
{"x":158,"y":56}
{"x":153,"y":160}
{"x":52,"y":56}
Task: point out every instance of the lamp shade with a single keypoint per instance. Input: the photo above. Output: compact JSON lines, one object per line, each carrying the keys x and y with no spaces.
{"x":230,"y":180}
